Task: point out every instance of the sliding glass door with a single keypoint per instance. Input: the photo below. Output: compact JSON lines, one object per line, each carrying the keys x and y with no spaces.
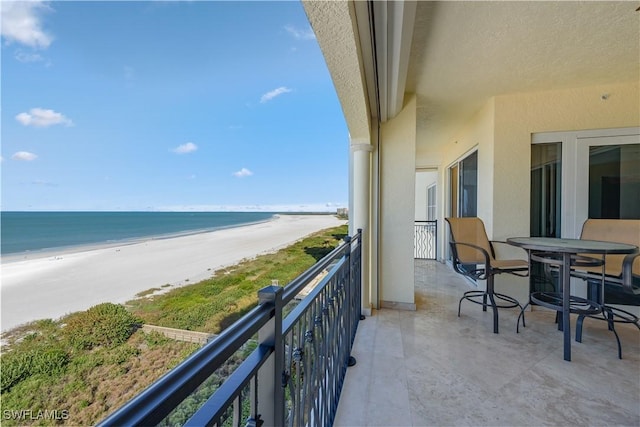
{"x":463,"y":190}
{"x":613,"y":177}
{"x":463,"y":179}
{"x":546,"y":172}
{"x":580,"y":175}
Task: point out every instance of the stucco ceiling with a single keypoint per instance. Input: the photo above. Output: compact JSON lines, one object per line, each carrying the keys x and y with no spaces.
{"x":463,"y":53}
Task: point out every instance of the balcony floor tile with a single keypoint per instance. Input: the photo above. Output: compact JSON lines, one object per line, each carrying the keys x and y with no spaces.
{"x":430,"y":367}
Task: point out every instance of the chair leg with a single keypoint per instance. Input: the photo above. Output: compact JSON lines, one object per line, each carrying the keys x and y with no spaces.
{"x":521,"y":315}
{"x":609,"y":317}
{"x":495,"y":313}
{"x":612,"y":328}
{"x":579,"y":323}
{"x":494,"y":306}
{"x":617,"y":339}
{"x":488,"y":298}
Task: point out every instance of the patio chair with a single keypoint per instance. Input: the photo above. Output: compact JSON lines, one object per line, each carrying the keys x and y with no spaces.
{"x":619,"y":283}
{"x":474,"y":256}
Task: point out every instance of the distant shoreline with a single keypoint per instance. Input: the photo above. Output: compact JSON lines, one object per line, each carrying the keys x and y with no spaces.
{"x":52,"y":251}
{"x":61,"y":282}
{"x":49,"y":231}
{"x":86,"y":247}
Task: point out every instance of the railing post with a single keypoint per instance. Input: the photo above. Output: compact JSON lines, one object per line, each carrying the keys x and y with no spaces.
{"x":348,"y":306}
{"x":358,"y":279}
{"x":270,"y":393}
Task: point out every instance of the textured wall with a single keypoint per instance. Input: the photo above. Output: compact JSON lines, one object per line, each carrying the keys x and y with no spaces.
{"x":397,"y":200}
{"x":519,"y":116}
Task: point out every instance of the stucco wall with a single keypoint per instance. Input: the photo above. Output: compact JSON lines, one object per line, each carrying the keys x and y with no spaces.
{"x":397,"y":200}
{"x":502,"y":132}
{"x":518,"y":116}
{"x":478,"y":134}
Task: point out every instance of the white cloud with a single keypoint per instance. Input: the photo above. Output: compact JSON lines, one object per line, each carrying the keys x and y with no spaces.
{"x":242,"y":173}
{"x":189,"y":147}
{"x":39,"y":117}
{"x":23,"y":56}
{"x":21,"y":22}
{"x":276,"y":92}
{"x":306,"y":34}
{"x":24,"y":156}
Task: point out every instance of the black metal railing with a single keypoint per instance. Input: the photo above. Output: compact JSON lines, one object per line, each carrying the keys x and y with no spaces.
{"x":291,"y":375}
{"x":425,"y":239}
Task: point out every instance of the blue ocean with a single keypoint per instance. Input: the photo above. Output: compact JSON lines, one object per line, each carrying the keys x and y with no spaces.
{"x":39,"y":231}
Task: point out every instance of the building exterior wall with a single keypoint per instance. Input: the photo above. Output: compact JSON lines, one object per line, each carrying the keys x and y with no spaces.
{"x":397,"y":200}
{"x":502,"y":133}
{"x":477,"y":134}
{"x":519,"y":116}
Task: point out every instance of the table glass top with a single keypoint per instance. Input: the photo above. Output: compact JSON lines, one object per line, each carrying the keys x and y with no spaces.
{"x":572,"y":245}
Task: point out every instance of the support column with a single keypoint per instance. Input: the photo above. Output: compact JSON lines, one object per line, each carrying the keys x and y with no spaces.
{"x":359,"y":209}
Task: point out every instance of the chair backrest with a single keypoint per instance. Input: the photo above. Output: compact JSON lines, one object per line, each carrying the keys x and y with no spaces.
{"x":469,"y":230}
{"x":614,"y":230}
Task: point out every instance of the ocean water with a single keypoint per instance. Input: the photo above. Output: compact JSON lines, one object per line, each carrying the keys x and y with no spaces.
{"x":39,"y":231}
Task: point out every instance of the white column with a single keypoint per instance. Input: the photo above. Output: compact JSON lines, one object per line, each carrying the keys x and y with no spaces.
{"x":359,"y":209}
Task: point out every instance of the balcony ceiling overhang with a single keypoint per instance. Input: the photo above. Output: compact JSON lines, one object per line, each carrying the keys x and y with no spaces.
{"x":335,"y":28}
{"x":456,"y":55}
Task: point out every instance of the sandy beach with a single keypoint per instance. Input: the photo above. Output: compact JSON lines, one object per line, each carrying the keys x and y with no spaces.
{"x":54,"y":284}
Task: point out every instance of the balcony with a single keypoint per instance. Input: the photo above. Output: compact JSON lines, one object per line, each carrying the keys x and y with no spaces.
{"x":430,"y":367}
{"x":414,"y":368}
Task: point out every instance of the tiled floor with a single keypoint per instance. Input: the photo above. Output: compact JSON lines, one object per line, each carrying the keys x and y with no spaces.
{"x":431,"y":368}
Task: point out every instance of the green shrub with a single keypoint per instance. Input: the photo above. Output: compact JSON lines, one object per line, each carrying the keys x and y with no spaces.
{"x":122,"y":354}
{"x":21,"y":365}
{"x":50,"y":361}
{"x":15,"y":368}
{"x":106,"y":324}
{"x":155,"y":338}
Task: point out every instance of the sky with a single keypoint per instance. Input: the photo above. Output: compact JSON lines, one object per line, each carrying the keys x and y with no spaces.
{"x":162,"y":105}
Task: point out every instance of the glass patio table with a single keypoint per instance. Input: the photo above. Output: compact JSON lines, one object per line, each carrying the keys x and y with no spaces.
{"x":559,"y":252}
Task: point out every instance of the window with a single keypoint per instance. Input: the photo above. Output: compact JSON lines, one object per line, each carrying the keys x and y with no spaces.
{"x":431,"y":203}
{"x":463,"y":180}
{"x":583,"y":174}
{"x":614,"y":181}
{"x":464,"y":186}
{"x":579,"y":175}
{"x":546,"y":172}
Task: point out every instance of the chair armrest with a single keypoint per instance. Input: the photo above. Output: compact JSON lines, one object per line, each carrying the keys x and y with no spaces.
{"x":627,"y":271}
{"x":485,"y":254}
{"x":625,"y":279}
{"x":480,"y":274}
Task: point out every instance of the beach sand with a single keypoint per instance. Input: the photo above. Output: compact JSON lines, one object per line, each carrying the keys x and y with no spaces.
{"x":48,"y":286}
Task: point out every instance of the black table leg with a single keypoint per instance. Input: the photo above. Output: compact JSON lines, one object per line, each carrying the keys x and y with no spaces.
{"x":566,"y":304}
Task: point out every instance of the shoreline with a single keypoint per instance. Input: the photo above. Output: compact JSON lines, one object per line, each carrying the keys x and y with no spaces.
{"x":51,"y":285}
{"x":85,"y":247}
